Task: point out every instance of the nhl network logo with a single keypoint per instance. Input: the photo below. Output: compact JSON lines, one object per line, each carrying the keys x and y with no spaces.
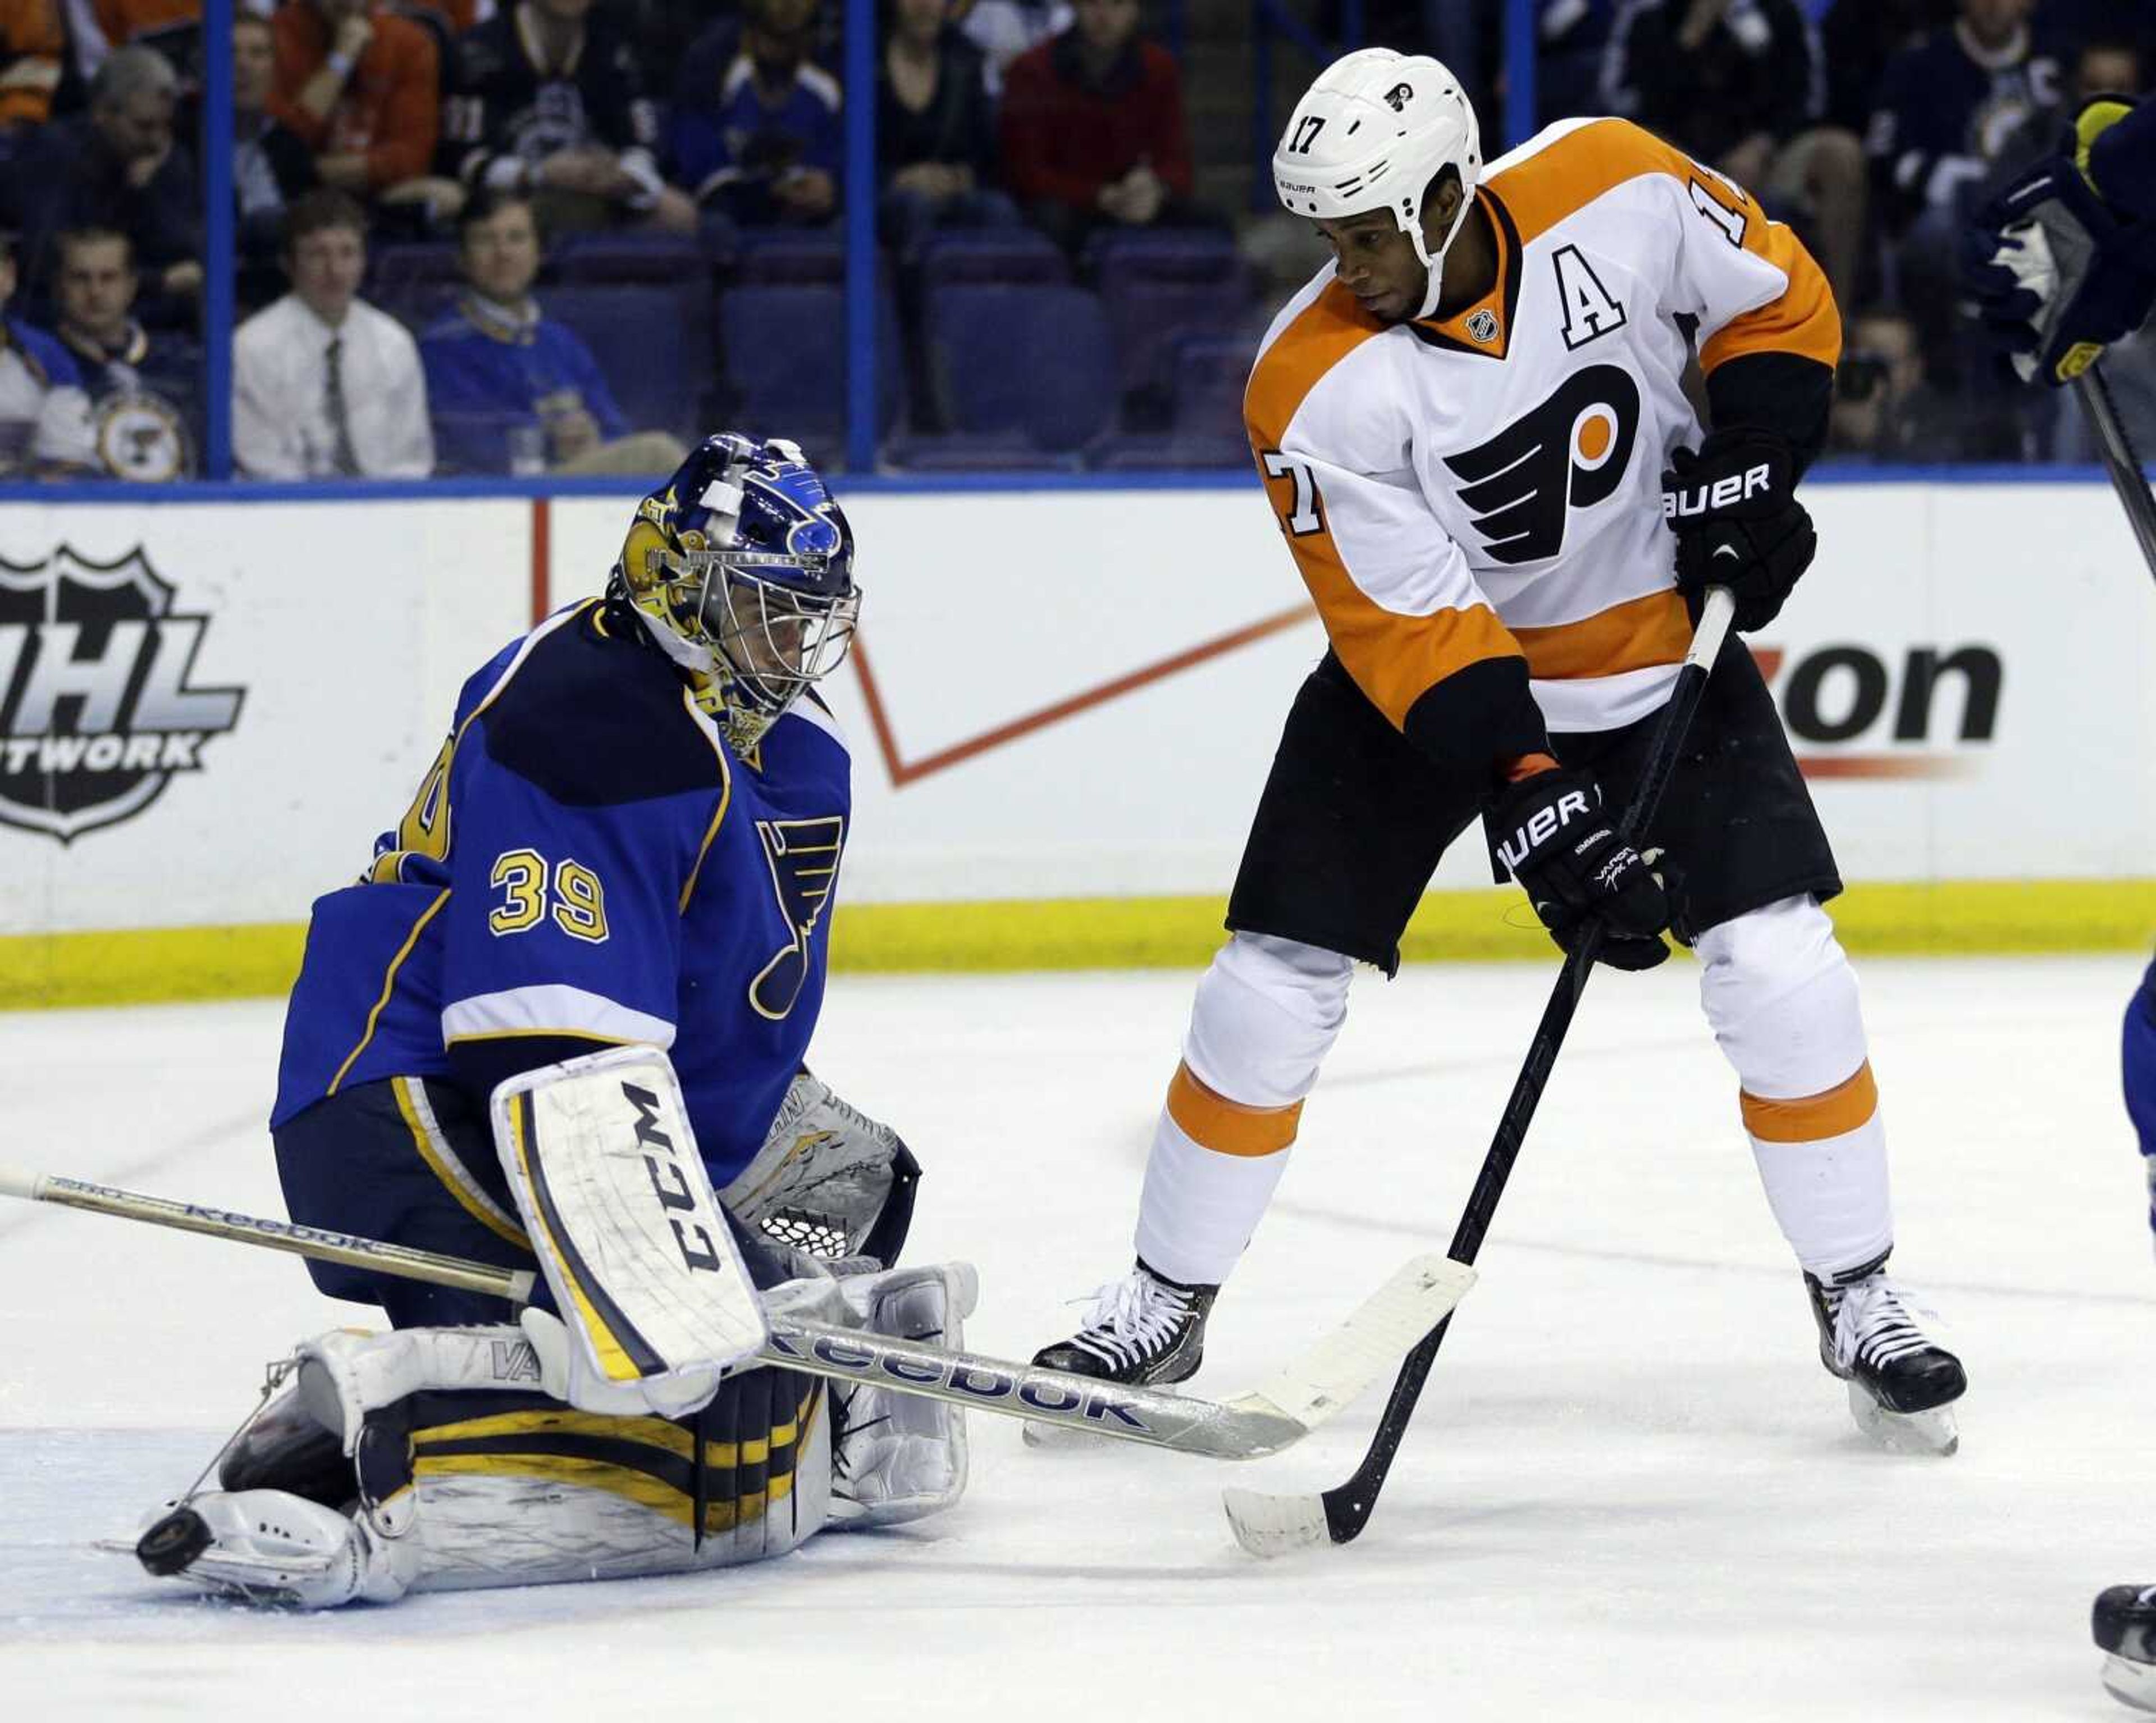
{"x":96,"y":712}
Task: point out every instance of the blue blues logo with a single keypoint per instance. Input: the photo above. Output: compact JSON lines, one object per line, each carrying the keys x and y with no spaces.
{"x":802,"y":856}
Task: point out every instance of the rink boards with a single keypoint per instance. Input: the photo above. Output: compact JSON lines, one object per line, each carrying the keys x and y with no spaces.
{"x":1062,"y":711}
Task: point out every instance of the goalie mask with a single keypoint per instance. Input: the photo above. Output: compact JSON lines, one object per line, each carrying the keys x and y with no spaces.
{"x":742,"y":568}
{"x":1372,"y":133}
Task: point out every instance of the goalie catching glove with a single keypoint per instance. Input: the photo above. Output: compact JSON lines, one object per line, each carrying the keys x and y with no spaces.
{"x":1551,"y":833}
{"x":1732,"y":506}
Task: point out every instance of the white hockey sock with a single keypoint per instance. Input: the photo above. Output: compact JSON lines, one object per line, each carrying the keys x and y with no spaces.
{"x":1829,"y":1193}
{"x":1782,"y":1000}
{"x":1203,"y":1200}
{"x":1266,"y":1015}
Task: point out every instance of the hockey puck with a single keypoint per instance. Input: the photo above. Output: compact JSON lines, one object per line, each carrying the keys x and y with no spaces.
{"x":172,"y":1544}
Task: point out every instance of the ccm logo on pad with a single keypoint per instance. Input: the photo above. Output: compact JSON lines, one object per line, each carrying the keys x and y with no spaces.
{"x":1725,"y":492}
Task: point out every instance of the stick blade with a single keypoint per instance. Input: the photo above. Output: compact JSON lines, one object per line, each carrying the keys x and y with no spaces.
{"x":1315,"y":1386}
{"x":1270,"y":1526}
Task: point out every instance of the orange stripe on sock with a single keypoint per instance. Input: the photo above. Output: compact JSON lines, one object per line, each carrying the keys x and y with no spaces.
{"x":1813,"y":1119}
{"x":1213,"y":1121}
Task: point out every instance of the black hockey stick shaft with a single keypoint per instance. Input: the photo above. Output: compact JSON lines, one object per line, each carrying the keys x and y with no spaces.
{"x":2128,"y":478}
{"x":1348,"y":1506}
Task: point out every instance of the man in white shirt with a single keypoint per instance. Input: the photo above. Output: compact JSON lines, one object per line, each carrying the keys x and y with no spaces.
{"x":324,"y":385}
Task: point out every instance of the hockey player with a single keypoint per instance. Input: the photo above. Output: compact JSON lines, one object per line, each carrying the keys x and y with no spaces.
{"x":2060,"y":266}
{"x":629,"y":839}
{"x":1470,"y":427}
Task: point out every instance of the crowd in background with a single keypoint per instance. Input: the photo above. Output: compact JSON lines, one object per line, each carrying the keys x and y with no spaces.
{"x":516,"y":236}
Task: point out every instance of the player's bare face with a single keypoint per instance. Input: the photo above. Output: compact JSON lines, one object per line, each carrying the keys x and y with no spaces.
{"x":1377,"y":264}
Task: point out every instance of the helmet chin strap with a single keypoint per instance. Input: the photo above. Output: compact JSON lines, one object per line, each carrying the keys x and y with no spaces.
{"x":1433,"y":261}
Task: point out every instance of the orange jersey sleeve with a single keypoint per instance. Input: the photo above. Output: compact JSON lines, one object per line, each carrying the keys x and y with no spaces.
{"x":1400,"y":603}
{"x":1748,"y":280}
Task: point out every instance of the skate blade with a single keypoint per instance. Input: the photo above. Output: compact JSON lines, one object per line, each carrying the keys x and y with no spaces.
{"x":1933,"y":1432}
{"x":2130,"y":1682}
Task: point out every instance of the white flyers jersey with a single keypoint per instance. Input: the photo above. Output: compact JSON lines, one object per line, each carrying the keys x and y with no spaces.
{"x":1463,"y":493}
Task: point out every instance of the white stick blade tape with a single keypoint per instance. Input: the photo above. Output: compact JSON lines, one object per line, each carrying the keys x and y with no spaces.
{"x":1272,"y":1525}
{"x":1372,"y":1341}
{"x":20,"y":1181}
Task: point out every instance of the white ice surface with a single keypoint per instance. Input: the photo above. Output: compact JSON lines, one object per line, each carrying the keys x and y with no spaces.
{"x":1631,"y":1491}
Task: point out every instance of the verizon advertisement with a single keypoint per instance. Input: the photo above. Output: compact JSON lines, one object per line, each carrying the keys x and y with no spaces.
{"x":207,"y":712}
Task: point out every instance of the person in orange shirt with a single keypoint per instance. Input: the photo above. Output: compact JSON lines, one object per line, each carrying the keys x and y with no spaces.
{"x":362,"y":89}
{"x":123,"y":21}
{"x":31,"y":44}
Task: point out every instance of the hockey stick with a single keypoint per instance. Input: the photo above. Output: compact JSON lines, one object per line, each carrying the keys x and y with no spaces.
{"x":2128,"y":476}
{"x":1280,"y":1411}
{"x":1275,"y":1524}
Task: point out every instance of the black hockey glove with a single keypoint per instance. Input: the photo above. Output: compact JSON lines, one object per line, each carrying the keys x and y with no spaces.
{"x":1552,"y":831}
{"x":1733,"y":507}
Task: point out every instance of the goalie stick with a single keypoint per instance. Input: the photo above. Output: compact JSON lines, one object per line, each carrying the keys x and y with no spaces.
{"x":1275,"y":1525}
{"x":1280,"y":1411}
{"x":2120,"y":459}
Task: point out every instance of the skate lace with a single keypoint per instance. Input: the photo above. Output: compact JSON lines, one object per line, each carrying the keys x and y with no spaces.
{"x":1877,"y":1322}
{"x":1132,"y":1318}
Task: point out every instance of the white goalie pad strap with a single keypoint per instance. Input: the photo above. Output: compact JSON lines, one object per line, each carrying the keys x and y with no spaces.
{"x":646,"y":1276}
{"x":347,"y":1373}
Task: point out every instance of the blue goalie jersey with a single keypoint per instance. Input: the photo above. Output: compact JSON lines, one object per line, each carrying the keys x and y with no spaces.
{"x":588,"y":859}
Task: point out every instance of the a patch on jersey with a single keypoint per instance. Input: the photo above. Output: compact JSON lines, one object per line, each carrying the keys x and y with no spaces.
{"x":1570,"y":452}
{"x":1591,"y":310}
{"x":802,"y":856}
{"x":1483,"y":325}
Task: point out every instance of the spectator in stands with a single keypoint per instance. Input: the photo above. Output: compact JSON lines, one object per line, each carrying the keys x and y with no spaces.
{"x":1093,"y":130}
{"x":511,"y":389}
{"x":362,"y":88}
{"x":45,"y":414}
{"x":143,"y":387}
{"x":1946,"y":104}
{"x":1738,"y":82}
{"x":2105,"y":65}
{"x":1858,"y":38}
{"x":1572,"y":39}
{"x":1883,"y":408}
{"x":756,"y":137}
{"x":32,"y":42}
{"x":270,"y":166}
{"x":548,"y":100}
{"x":936,"y":138}
{"x":117,"y":167}
{"x":172,"y":27}
{"x":323,"y":384}
{"x":1004,"y":29}
{"x":1946,"y":107}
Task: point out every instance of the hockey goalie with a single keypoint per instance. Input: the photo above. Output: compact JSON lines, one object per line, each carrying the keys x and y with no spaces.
{"x":559,"y":1026}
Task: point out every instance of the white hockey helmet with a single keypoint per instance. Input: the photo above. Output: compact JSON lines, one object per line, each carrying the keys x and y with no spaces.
{"x":1371,"y":133}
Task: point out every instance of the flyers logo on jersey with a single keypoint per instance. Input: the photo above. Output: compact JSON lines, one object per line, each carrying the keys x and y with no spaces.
{"x":1570,"y":452}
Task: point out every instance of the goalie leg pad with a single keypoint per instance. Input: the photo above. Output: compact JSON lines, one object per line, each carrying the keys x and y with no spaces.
{"x":458,"y":1473}
{"x":654,"y":1301}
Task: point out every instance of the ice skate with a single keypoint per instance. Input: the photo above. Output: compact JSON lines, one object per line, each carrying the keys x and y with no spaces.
{"x":1901,"y":1382}
{"x":1143,"y":1329}
{"x":2124,"y":1623}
